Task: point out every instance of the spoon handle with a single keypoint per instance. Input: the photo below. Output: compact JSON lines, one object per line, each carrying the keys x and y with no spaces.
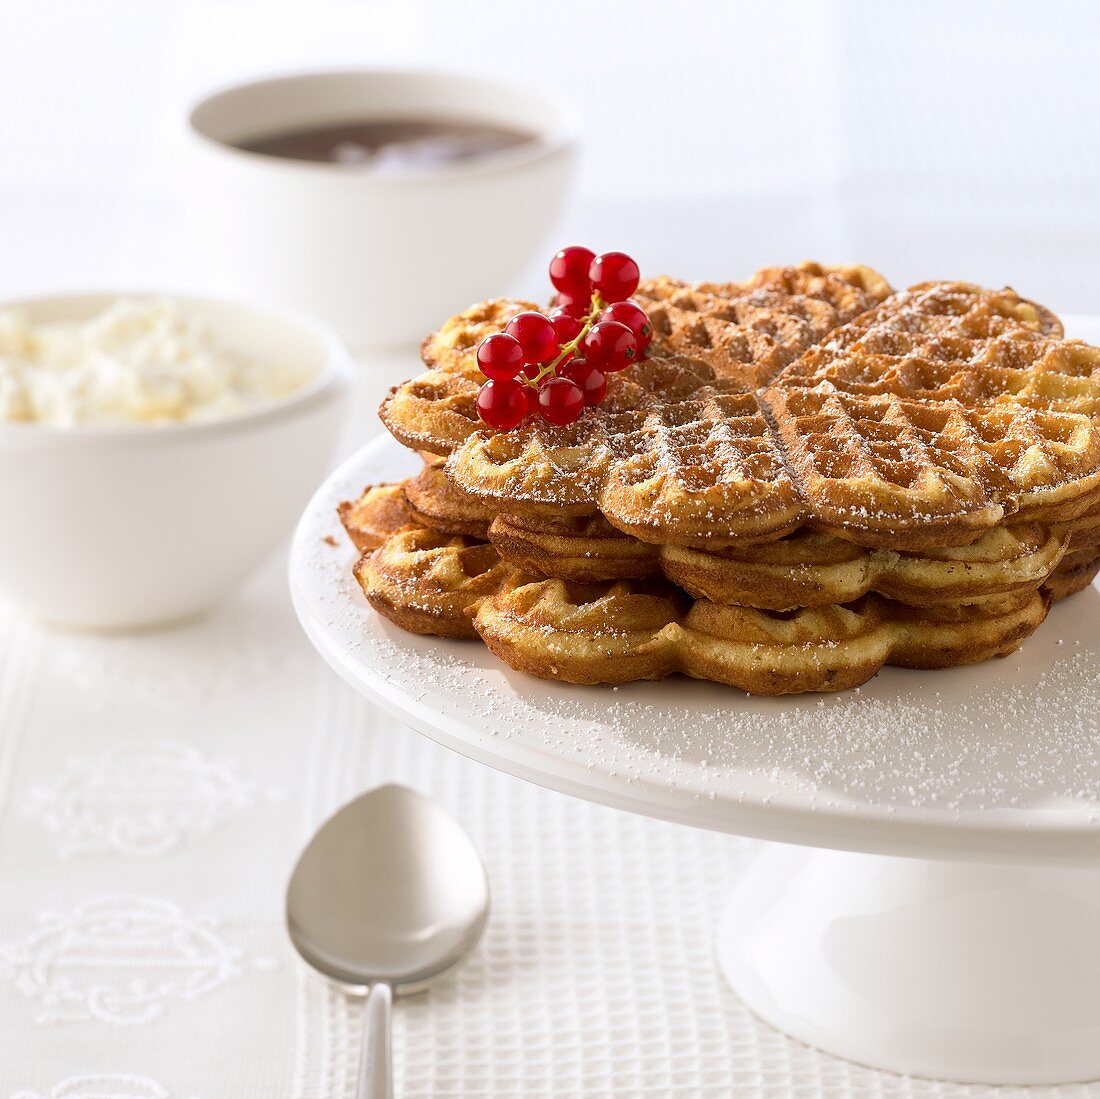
{"x":375,"y":1070}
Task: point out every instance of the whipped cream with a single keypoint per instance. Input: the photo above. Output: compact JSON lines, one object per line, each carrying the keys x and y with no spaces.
{"x":139,"y":361}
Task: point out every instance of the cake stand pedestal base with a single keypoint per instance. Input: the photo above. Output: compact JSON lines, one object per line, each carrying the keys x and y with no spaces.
{"x":959,"y":971}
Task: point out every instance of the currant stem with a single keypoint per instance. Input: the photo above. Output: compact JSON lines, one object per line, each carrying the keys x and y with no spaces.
{"x":568,"y":348}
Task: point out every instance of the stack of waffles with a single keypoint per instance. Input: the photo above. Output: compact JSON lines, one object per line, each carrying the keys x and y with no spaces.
{"x":809,"y":476}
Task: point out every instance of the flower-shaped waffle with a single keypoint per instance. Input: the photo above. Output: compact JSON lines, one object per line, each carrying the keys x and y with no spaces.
{"x":805,"y":569}
{"x":621,"y":631}
{"x":921,"y":421}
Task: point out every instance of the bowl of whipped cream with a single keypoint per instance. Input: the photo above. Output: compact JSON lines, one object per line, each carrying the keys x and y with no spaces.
{"x":155,"y":449}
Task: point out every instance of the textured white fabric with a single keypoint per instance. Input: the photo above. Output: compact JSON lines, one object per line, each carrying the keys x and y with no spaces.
{"x":155,"y":792}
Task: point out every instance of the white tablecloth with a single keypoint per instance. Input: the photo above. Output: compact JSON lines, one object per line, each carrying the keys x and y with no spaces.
{"x":155,"y":790}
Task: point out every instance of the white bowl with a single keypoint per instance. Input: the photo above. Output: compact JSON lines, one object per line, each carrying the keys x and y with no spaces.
{"x":382,"y":256}
{"x":138,"y":525}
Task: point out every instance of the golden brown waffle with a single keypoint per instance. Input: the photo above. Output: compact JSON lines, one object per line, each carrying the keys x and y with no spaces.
{"x":422,"y":579}
{"x":805,"y":569}
{"x":1084,"y":530}
{"x":741,"y":333}
{"x":429,"y":582}
{"x":619,"y":632}
{"x":623,"y":632}
{"x":431,"y":500}
{"x":1076,"y":572}
{"x":921,"y":422}
{"x":377,"y":513}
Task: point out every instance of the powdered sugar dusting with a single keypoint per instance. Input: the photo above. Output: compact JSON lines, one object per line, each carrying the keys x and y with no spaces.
{"x":1020,"y":735}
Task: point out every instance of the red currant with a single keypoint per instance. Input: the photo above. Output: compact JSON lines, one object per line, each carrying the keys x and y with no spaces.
{"x":531,"y":396}
{"x":592,"y":382}
{"x":536,"y":336}
{"x":610,"y":346}
{"x":634,"y":317}
{"x":561,"y":401}
{"x":614,"y":275}
{"x":567,"y":326}
{"x":569,"y":271}
{"x":500,"y":356}
{"x":502,"y":404}
{"x":578,"y":305}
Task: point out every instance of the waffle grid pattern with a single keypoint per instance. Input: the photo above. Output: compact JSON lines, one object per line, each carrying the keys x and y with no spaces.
{"x":804,"y":569}
{"x":806,"y":394}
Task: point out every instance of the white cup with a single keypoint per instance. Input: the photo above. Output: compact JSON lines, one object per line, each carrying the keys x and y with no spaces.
{"x":384,"y":255}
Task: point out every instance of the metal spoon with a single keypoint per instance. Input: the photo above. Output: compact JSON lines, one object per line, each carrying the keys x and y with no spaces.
{"x":389,"y":895}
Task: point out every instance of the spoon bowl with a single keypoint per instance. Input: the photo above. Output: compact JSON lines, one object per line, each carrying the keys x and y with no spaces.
{"x":388,"y":896}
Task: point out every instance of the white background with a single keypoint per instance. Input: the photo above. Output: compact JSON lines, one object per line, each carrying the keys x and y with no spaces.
{"x":931,"y":139}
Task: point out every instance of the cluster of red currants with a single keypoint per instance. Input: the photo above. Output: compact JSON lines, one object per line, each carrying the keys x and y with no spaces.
{"x":557,"y":364}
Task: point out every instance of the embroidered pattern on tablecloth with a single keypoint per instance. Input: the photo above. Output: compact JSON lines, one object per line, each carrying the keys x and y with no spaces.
{"x":138,"y":798}
{"x":102,"y":1085}
{"x":121,"y":960}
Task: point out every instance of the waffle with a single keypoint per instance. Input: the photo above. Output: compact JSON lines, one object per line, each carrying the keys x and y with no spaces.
{"x":429,"y":583}
{"x":1076,"y":572}
{"x":619,"y":632}
{"x":919,"y":422}
{"x":378,"y":512}
{"x":431,"y":500}
{"x":739,"y":334}
{"x":805,"y":569}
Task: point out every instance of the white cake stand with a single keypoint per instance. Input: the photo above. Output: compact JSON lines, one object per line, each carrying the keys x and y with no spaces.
{"x":976,"y":957}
